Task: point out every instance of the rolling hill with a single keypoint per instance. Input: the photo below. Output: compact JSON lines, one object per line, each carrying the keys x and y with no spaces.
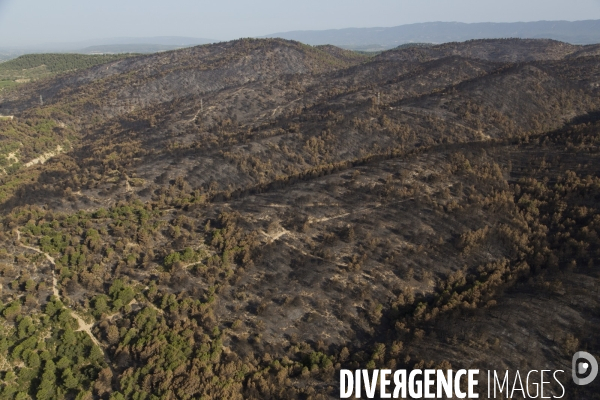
{"x":576,"y":32}
{"x":244,"y":219}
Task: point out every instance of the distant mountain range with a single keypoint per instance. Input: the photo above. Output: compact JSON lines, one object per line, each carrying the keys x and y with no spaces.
{"x":578,"y":32}
{"x":139,"y":45}
{"x":109,"y":45}
{"x":368,"y":39}
{"x":130,"y":48}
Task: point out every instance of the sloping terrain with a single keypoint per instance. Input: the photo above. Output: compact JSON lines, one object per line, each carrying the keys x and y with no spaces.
{"x":244,"y":219}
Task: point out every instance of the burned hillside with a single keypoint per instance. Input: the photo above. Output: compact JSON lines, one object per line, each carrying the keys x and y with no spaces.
{"x":244,"y":219}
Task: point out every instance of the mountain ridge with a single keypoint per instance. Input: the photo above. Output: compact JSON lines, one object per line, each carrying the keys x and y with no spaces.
{"x":108,"y":45}
{"x":576,"y":32}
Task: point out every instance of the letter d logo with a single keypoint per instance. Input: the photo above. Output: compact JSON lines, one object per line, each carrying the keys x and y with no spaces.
{"x":580,"y":368}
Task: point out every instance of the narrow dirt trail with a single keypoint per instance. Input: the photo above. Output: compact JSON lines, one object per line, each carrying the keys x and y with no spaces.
{"x":278,"y":107}
{"x":272,"y":237}
{"x":201,"y":110}
{"x":307,"y":254}
{"x":12,"y":156}
{"x":45,"y":157}
{"x":360,"y":210}
{"x":275,"y":236}
{"x":83,"y":326}
{"x":128,"y":187}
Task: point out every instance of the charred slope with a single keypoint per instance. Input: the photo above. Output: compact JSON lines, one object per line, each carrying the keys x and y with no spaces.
{"x":454,"y":257}
{"x":162,"y":77}
{"x":253,"y":239}
{"x":497,"y":50}
{"x":267,"y":132}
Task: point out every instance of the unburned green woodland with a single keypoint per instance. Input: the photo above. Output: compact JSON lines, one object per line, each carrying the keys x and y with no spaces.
{"x":30,"y":67}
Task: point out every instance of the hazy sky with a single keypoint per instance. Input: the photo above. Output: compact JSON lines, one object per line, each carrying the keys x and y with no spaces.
{"x":25,"y":22}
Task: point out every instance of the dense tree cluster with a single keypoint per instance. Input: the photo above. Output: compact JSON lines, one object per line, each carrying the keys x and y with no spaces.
{"x":59,"y":62}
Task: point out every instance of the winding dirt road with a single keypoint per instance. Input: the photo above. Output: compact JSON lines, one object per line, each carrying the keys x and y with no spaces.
{"x":83,"y":326}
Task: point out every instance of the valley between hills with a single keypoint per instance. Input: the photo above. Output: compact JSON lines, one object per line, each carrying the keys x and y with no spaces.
{"x":244,"y":219}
